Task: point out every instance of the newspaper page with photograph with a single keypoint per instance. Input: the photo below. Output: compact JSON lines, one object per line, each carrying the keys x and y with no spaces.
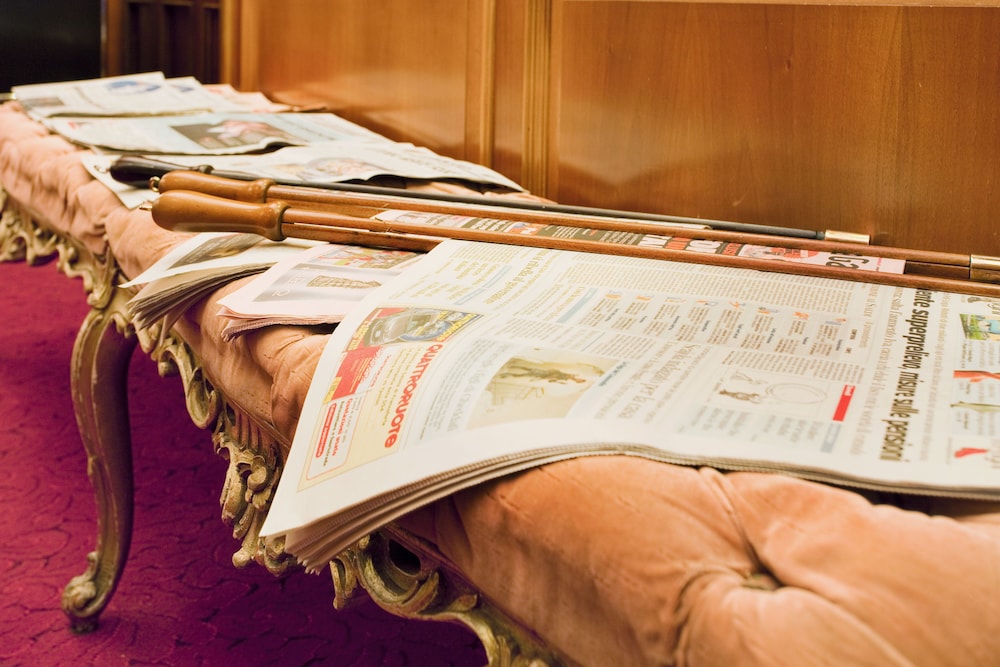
{"x":209,"y":133}
{"x":691,"y":243}
{"x":200,"y":265}
{"x":320,"y":285}
{"x":353,"y":158}
{"x":317,"y":286}
{"x":146,"y":94}
{"x":491,"y":358}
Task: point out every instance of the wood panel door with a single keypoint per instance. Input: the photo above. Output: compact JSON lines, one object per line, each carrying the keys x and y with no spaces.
{"x":878,"y":119}
{"x":414,"y":70}
{"x":873,"y":119}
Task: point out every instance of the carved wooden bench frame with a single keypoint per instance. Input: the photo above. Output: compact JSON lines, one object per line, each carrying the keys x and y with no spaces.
{"x":399,"y":571}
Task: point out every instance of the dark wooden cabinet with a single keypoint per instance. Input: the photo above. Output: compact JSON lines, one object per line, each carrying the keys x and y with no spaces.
{"x":177,"y":37}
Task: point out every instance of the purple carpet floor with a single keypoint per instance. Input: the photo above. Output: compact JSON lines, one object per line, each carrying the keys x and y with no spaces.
{"x":181,"y":601}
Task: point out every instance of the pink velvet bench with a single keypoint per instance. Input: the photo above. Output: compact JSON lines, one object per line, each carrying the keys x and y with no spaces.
{"x":595,"y":561}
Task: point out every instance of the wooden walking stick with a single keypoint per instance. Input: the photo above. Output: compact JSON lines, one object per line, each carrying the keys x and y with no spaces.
{"x":138,"y":171}
{"x":183,"y":210}
{"x":922,"y":262}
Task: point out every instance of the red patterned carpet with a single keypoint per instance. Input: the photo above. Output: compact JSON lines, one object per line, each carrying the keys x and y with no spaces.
{"x":181,"y":601}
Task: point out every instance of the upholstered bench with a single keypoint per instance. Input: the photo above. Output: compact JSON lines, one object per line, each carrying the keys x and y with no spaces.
{"x":602,"y":560}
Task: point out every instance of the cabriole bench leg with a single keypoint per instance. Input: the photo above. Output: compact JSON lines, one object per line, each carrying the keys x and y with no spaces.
{"x":101,"y":358}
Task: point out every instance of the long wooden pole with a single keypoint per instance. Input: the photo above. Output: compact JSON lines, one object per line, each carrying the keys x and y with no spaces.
{"x":138,"y":171}
{"x":366,"y":205}
{"x":183,"y":210}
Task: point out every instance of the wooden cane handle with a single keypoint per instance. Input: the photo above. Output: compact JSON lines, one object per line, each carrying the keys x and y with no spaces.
{"x":229,"y":188}
{"x":184,"y":211}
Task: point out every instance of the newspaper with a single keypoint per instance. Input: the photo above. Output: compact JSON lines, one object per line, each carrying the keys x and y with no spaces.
{"x":131,"y":95}
{"x":485,"y":359}
{"x":198,"y":266}
{"x":329,"y":162}
{"x":322,"y":163}
{"x":209,"y":133}
{"x":320,"y":285}
{"x":98,"y":166}
{"x":692,"y":243}
{"x":252,"y":101}
{"x":317,"y":286}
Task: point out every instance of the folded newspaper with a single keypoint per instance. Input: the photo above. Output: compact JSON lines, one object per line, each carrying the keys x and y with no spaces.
{"x":320,"y":285}
{"x":485,"y":359}
{"x":146,"y":94}
{"x":198,"y":266}
{"x":213,"y":133}
{"x":351,"y":158}
{"x":317,"y":286}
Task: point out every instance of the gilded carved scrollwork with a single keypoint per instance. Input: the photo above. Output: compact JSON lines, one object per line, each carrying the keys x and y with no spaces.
{"x":253,"y":455}
{"x":99,"y":368}
{"x":100,"y":362}
{"x":254,"y":468}
{"x":174,"y":357}
{"x":20,"y":237}
{"x":403,"y":575}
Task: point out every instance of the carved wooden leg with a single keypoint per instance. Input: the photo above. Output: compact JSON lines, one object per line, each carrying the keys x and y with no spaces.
{"x":406,"y":577}
{"x":99,"y":369}
{"x":99,"y":378}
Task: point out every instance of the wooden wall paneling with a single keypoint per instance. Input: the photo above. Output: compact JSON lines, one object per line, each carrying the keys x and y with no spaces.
{"x":537,"y":96}
{"x":480,"y":81}
{"x":112,"y":45}
{"x":284,"y":50}
{"x":876,"y":119}
{"x":410,"y":69}
{"x":229,"y":42}
{"x":242,"y":43}
{"x":509,"y":89}
{"x":872,"y":119}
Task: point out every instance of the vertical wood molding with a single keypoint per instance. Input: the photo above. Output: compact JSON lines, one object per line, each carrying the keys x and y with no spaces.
{"x":179,"y":37}
{"x":111,"y":38}
{"x":480,"y":101}
{"x":246,"y":44}
{"x":537,"y":95}
{"x":229,"y":42}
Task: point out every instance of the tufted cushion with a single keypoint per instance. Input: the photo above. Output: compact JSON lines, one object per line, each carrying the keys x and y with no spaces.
{"x":619,"y":560}
{"x":622,"y":561}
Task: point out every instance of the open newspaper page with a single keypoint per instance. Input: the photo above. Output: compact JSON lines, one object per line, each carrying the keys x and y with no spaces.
{"x":144,"y":94}
{"x":352,"y":158}
{"x":491,"y":358}
{"x":367,"y":157}
{"x":209,"y":133}
{"x":317,"y":286}
{"x":689,"y":243}
{"x":200,"y":265}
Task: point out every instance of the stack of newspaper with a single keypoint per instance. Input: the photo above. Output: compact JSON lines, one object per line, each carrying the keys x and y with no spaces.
{"x":300,"y":282}
{"x":148,"y":94}
{"x":309,"y":283}
{"x":197,"y":267}
{"x":485,"y":359}
{"x":328,"y":160}
{"x":189,"y":124}
{"x":317,"y":286}
{"x":320,"y":285}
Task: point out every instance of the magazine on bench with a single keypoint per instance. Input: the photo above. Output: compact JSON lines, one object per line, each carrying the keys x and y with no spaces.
{"x":487,"y":359}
